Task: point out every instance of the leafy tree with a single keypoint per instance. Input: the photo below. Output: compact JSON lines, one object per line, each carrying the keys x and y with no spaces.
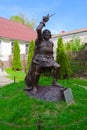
{"x":24,"y":20}
{"x":76,"y":44}
{"x":30,"y":53}
{"x":16,"y":63}
{"x":62,"y":59}
{"x":68,"y":47}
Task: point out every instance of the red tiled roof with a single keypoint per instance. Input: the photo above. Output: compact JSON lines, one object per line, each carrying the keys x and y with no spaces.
{"x":16,"y":31}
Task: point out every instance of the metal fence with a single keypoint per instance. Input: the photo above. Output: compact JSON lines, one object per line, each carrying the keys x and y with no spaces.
{"x":39,"y":125}
{"x":78,"y":62}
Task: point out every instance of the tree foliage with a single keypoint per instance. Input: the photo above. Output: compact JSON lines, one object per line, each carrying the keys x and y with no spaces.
{"x":68,"y":47}
{"x":16,"y":63}
{"x":74,"y":44}
{"x":30,"y":53}
{"x":24,"y":20}
{"x":62,"y":59}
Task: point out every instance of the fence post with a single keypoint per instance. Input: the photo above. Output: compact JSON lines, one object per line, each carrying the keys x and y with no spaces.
{"x":39,"y":123}
{"x":14,"y":78}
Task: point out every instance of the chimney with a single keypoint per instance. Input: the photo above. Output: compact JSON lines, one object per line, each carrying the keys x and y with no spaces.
{"x":62,"y":31}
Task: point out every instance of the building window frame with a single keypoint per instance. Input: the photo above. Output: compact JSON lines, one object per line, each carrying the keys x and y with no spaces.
{"x":0,"y":48}
{"x":26,"y":48}
{"x":12,"y":46}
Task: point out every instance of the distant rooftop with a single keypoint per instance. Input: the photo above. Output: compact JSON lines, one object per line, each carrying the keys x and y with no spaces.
{"x":64,"y":33}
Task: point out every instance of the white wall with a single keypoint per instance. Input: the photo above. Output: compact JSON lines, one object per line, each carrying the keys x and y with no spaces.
{"x":66,"y":38}
{"x":6,"y":50}
{"x":0,"y":49}
{"x":22,"y":48}
{"x":81,"y":35}
{"x":55,"y":46}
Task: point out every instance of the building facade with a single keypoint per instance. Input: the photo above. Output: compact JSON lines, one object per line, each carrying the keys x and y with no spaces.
{"x":9,"y":32}
{"x":68,"y":36}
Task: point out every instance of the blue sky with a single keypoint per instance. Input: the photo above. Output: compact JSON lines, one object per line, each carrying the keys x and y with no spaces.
{"x":69,"y":14}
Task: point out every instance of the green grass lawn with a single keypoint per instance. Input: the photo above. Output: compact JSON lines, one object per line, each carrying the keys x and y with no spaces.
{"x":18,"y":75}
{"x":20,"y":112}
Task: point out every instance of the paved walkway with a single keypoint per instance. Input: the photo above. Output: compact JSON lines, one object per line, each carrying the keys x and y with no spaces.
{"x":3,"y":79}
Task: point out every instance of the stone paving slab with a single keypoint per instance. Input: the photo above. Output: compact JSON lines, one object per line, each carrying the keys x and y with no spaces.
{"x":3,"y":73}
{"x":3,"y":79}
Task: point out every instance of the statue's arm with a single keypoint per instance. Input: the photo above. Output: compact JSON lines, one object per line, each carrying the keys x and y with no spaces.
{"x":41,"y":25}
{"x":39,"y":29}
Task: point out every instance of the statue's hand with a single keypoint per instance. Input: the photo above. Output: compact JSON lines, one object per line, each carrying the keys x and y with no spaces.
{"x":46,"y":18}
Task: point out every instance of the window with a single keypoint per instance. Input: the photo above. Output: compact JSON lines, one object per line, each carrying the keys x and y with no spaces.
{"x":0,"y":49}
{"x":12,"y":45}
{"x":26,"y":48}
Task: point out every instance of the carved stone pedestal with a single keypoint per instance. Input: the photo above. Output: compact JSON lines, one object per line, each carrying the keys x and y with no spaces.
{"x":48,"y":93}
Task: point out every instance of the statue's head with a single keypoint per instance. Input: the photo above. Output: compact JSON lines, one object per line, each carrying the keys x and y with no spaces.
{"x":46,"y":34}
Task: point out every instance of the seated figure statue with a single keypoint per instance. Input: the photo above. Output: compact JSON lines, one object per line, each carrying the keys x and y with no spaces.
{"x":43,"y":58}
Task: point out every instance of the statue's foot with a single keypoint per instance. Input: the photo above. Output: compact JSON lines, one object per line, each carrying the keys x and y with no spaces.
{"x":28,"y":88}
{"x":56,"y":84}
{"x":34,"y":91}
{"x":59,"y":86}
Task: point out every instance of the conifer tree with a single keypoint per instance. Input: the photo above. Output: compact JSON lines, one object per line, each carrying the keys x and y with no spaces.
{"x":62,"y":59}
{"x":16,"y":63}
{"x":30,"y":53}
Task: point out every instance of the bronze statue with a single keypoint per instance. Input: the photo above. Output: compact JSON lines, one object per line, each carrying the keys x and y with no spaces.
{"x":43,"y":58}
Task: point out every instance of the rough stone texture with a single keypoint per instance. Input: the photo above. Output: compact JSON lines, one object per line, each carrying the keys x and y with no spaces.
{"x":48,"y":93}
{"x":68,"y":96}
